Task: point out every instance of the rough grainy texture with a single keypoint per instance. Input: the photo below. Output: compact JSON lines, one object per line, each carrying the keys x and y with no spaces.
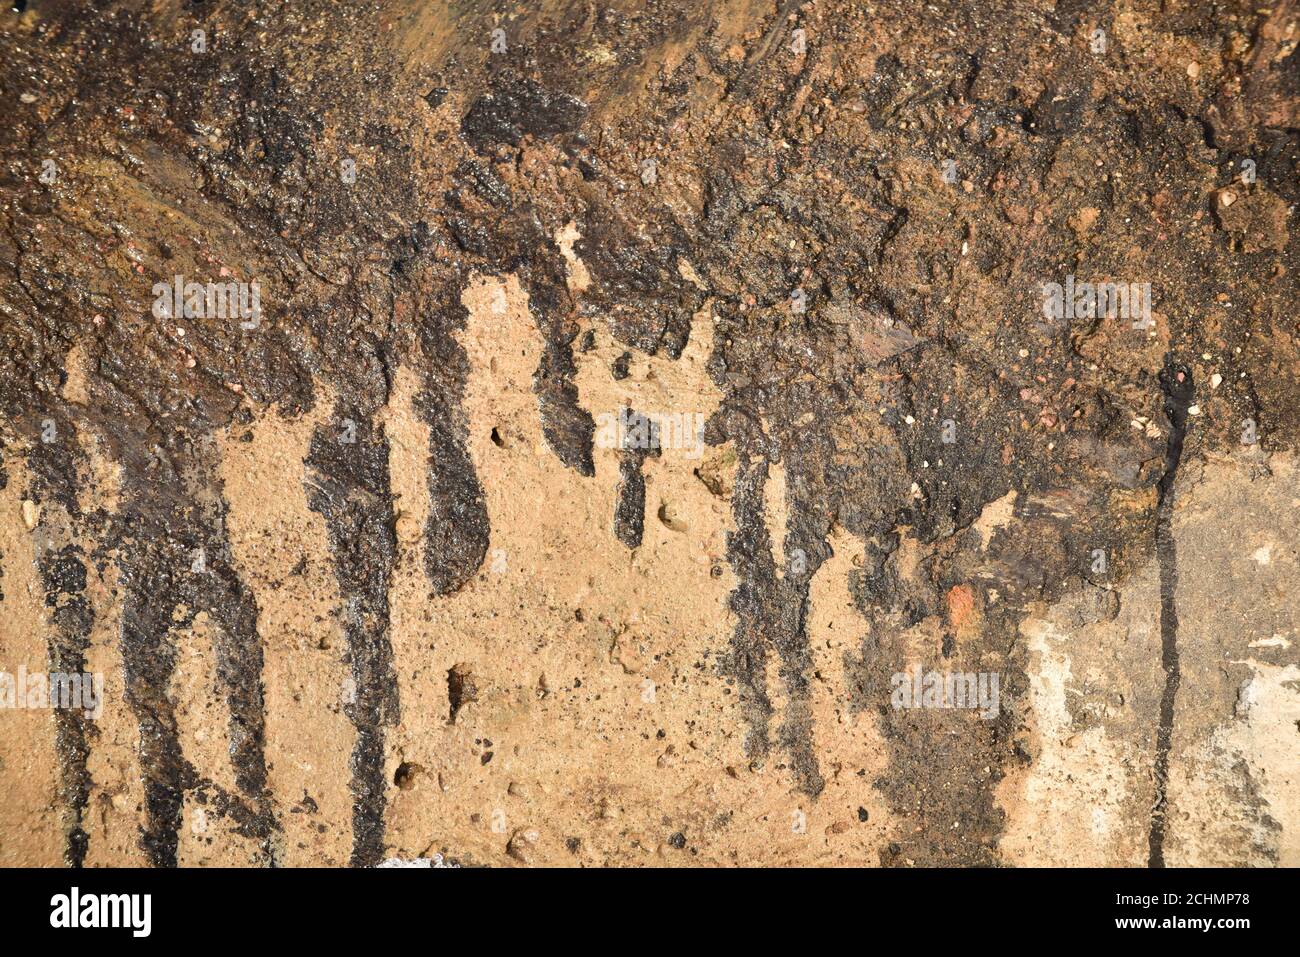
{"x":639,"y":389}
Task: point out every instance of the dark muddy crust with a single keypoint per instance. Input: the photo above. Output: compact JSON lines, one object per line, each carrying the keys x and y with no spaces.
{"x":778,"y":170}
{"x":63,"y":570}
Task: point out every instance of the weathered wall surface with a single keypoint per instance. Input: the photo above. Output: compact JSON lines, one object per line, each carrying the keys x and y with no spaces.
{"x":643,"y":405}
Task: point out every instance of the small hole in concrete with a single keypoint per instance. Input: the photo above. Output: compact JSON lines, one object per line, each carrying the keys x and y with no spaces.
{"x":406,"y":775}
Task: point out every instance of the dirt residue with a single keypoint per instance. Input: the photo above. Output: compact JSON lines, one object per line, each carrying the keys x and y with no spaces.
{"x":553,"y":434}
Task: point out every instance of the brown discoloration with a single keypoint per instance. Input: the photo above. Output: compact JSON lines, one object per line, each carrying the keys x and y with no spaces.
{"x":661,"y":657}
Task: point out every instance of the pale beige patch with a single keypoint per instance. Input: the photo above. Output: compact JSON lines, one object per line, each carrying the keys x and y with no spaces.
{"x":415,"y":632}
{"x":115,"y":810}
{"x":849,"y":747}
{"x":578,"y":277}
{"x":600,"y":720}
{"x":1093,"y":693}
{"x":77,"y":367}
{"x":776,"y":515}
{"x":281,"y":550}
{"x":996,"y":514}
{"x":1211,"y":826}
{"x":30,"y":831}
{"x":202,"y":723}
{"x":1073,"y":798}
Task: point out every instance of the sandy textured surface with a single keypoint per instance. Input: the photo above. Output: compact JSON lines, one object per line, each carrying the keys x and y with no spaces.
{"x":378,"y":576}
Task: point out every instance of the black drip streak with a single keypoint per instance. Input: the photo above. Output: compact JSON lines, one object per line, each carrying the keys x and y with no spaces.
{"x":456,"y":533}
{"x":629,"y":511}
{"x":148,"y":660}
{"x":568,"y":428}
{"x":159,"y":576}
{"x":349,"y":485}
{"x":72,"y":619}
{"x":770,"y":611}
{"x":63,"y":577}
{"x":1178,"y":396}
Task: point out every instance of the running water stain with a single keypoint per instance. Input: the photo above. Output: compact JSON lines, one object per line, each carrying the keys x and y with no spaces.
{"x":874,"y":338}
{"x":1176,"y":381}
{"x":348,"y":484}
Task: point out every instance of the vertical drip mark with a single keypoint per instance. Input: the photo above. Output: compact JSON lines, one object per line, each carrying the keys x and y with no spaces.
{"x":567,"y":427}
{"x":457,"y":531}
{"x":795,"y":733}
{"x":771,"y":610}
{"x":4,"y":484}
{"x":1177,"y":384}
{"x":348,"y":483}
{"x":176,"y":563}
{"x":151,"y":563}
{"x":746,"y":548}
{"x":806,"y":548}
{"x":62,"y":569}
{"x":639,"y":440}
{"x":239,"y":670}
{"x":63,"y":574}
